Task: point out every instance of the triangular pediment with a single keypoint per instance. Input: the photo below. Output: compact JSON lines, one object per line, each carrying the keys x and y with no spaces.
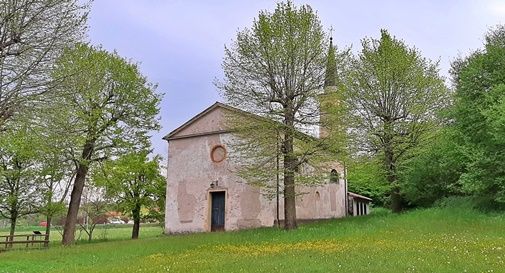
{"x":210,"y":120}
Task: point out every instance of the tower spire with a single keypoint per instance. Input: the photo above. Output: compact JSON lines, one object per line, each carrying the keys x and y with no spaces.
{"x":326,"y":100}
{"x":331,"y":66}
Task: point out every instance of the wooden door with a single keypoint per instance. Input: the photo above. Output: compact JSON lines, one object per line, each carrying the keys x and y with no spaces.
{"x":217,"y":212}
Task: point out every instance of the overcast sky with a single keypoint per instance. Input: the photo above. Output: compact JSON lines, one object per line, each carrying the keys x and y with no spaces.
{"x":179,"y":43}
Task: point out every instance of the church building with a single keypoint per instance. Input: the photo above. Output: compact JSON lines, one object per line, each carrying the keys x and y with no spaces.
{"x":205,"y":192}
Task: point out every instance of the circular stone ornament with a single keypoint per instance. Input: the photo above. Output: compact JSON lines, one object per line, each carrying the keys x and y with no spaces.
{"x":218,"y":154}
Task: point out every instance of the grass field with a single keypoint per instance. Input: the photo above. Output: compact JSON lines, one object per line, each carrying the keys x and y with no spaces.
{"x":432,"y":240}
{"x":101,"y":233}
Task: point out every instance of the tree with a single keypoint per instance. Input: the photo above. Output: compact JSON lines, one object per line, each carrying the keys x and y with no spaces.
{"x":54,"y":178}
{"x":135,"y":182}
{"x":93,"y":210}
{"x":478,"y":115}
{"x":366,"y":177}
{"x":33,"y":33}
{"x":19,"y":193}
{"x":37,"y":173}
{"x":276,"y":69}
{"x":434,"y":169}
{"x":107,"y":108}
{"x":394,"y":95}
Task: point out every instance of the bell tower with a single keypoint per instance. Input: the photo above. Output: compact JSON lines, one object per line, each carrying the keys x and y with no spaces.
{"x":326,"y":100}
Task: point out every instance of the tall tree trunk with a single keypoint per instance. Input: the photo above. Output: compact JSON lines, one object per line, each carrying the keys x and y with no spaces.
{"x":49,"y":218}
{"x":49,"y":206}
{"x":14,"y":219}
{"x":90,"y":233}
{"x":289,"y":177}
{"x":396,"y":199}
{"x":75,"y":196}
{"x":14,"y":201}
{"x":136,"y":221}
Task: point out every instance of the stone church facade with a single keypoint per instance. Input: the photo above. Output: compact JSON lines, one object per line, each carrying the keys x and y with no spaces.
{"x":204,"y":193}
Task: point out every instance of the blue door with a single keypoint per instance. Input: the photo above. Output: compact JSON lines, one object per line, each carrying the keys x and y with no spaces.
{"x":217,"y":214}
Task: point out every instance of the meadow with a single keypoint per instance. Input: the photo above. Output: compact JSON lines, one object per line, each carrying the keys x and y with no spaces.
{"x":101,"y":232}
{"x":428,"y":240}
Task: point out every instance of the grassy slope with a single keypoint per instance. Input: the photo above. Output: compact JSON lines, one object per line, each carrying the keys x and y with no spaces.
{"x":435,"y":240}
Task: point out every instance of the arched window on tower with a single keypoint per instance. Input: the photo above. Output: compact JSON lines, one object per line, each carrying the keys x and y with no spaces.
{"x":334,"y":176}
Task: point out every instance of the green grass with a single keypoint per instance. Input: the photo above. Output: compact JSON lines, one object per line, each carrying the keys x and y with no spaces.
{"x":432,"y":240}
{"x":101,"y":233}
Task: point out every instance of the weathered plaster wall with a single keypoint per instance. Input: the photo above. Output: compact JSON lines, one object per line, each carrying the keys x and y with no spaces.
{"x":324,"y":201}
{"x":211,"y":122}
{"x":191,"y":171}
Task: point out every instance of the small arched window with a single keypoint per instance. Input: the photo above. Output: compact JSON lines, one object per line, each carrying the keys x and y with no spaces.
{"x":334,"y":176}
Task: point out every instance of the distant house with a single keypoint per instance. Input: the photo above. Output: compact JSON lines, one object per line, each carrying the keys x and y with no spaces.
{"x":204,"y":193}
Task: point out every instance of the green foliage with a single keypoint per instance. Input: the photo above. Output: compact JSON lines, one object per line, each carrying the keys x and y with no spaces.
{"x":134,"y":181}
{"x":276,"y":69}
{"x":39,"y":172}
{"x":433,"y":170}
{"x":394,"y":95}
{"x":55,"y":167}
{"x":479,"y":117}
{"x":456,"y":202}
{"x":19,"y":192}
{"x":107,"y":108}
{"x":256,"y":154}
{"x":366,"y":177}
{"x":106,"y":101}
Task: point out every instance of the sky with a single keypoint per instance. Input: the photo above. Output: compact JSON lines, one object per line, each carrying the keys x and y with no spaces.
{"x":179,"y":44}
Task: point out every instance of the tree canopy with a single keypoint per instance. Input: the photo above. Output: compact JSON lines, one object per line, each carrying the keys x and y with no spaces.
{"x":135,"y":182}
{"x":33,"y":34}
{"x":276,"y":69}
{"x":479,"y":113}
{"x":394,"y":95}
{"x":107,"y":108}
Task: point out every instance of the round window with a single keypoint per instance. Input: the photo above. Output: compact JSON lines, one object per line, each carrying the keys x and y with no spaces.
{"x":218,"y":153}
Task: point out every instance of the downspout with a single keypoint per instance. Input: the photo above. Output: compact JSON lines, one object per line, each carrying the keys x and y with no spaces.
{"x":346,"y":191}
{"x":277,"y":177}
{"x":166,"y":187}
